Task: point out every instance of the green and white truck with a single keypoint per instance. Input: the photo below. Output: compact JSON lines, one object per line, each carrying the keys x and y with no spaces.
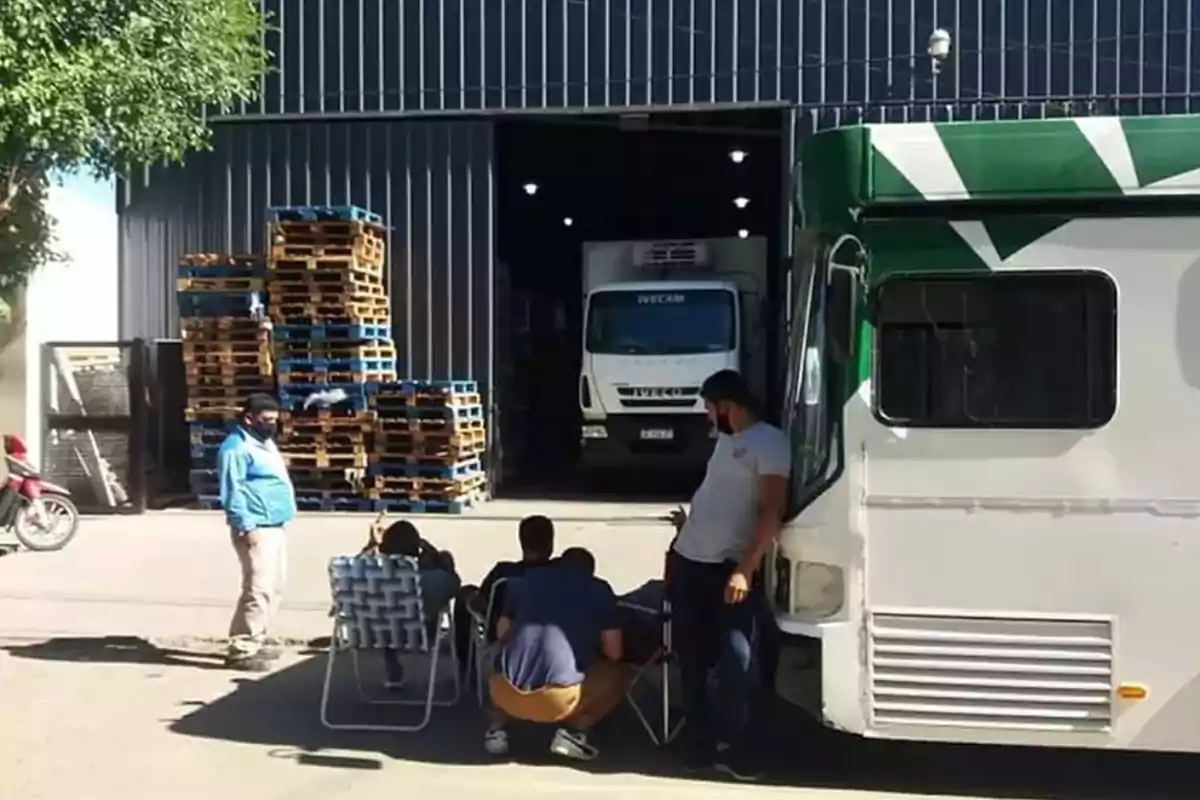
{"x":994,"y":400}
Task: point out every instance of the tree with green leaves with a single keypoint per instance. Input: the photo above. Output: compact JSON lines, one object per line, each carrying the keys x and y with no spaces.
{"x":101,"y":85}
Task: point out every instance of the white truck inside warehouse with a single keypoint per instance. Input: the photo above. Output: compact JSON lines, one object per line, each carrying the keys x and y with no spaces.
{"x":994,"y":399}
{"x":659,"y":318}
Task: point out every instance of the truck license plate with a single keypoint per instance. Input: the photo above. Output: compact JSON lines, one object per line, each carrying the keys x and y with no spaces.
{"x":658,"y":434}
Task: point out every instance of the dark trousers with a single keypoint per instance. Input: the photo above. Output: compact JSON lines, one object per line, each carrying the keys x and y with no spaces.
{"x":462,"y":625}
{"x":707,"y":632}
{"x":768,"y":645}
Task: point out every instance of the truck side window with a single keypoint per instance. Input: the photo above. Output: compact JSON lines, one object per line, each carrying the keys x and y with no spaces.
{"x":997,"y":350}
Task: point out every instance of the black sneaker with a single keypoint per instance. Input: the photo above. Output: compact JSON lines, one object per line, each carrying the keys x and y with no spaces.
{"x":573,"y":745}
{"x":732,"y":761}
{"x":254,"y":663}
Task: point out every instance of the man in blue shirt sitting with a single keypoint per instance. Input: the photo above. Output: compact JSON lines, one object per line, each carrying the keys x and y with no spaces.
{"x":259,"y":500}
{"x":559,"y":657}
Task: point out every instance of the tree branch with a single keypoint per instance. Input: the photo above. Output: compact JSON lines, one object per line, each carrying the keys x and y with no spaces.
{"x":13,"y":184}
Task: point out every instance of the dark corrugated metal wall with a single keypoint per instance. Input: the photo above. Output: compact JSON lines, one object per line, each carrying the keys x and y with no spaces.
{"x":431,"y":181}
{"x":439,"y":56}
{"x":844,"y":60}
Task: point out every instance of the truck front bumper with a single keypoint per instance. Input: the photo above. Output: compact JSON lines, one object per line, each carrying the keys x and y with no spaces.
{"x":656,"y":441}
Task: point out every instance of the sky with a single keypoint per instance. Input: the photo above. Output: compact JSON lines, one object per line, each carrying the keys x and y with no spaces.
{"x":83,"y":184}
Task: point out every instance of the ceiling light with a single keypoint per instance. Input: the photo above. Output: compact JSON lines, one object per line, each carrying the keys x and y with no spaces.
{"x":530,"y":189}
{"x":741,"y":202}
{"x":737,"y":156}
{"x":743,"y":233}
{"x":568,"y":221}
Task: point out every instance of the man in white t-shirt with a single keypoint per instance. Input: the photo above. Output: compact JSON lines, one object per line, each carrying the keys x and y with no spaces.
{"x":712,"y":571}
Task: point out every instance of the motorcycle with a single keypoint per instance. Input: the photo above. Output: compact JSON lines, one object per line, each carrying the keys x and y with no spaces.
{"x":40,"y":514}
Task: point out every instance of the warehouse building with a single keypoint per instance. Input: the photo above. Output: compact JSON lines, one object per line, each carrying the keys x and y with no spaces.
{"x":440,"y":114}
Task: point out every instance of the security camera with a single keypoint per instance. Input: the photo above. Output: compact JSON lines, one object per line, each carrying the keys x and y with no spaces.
{"x":939,"y":47}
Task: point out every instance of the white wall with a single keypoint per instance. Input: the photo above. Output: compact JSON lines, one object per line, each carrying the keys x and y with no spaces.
{"x":75,"y":300}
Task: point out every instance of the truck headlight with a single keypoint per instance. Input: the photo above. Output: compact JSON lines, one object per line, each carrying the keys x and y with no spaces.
{"x":817,"y":589}
{"x":594,"y":432}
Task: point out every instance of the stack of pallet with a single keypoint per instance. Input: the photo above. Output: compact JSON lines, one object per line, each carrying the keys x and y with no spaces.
{"x":333,"y":346}
{"x":226,"y":352}
{"x":428,"y":447}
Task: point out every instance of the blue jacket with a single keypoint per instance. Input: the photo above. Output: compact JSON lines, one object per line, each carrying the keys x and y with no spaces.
{"x":256,"y":491}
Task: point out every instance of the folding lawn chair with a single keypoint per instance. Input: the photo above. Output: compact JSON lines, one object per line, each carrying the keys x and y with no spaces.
{"x":483,"y":648}
{"x":377,"y":604}
{"x":661,"y":731}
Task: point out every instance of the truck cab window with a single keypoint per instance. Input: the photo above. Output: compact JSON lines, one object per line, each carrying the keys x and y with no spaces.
{"x":1007,"y":349}
{"x":683,"y":322}
{"x":819,"y":355}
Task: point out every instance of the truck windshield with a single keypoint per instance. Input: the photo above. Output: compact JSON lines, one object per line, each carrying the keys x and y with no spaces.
{"x":678,"y":322}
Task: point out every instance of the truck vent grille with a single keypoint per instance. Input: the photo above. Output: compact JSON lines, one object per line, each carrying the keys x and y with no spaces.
{"x":671,"y":254}
{"x":992,"y":672}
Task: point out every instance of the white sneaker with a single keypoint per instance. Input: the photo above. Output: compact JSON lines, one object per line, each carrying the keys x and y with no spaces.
{"x":495,"y":741}
{"x":573,"y":745}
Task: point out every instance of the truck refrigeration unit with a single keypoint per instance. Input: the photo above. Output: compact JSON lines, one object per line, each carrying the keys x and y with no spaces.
{"x":994,"y":399}
{"x":659,"y":318}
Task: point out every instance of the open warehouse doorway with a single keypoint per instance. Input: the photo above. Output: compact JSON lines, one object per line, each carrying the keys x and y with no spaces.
{"x":569,"y":190}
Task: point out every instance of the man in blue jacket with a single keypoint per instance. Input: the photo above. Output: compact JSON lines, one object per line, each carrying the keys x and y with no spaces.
{"x":259,"y":501}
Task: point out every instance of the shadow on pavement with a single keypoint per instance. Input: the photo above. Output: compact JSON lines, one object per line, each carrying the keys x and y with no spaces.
{"x":114,"y":650}
{"x":280,"y":710}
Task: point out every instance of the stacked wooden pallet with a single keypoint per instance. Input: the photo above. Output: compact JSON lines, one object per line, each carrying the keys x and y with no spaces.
{"x":226,"y":352}
{"x":427,"y":453}
{"x":332,"y":332}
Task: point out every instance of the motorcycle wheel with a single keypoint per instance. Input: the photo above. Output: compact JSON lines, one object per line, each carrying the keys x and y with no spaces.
{"x":65,"y":517}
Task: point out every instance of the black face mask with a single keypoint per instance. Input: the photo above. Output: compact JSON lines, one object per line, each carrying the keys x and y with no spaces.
{"x":264,"y":430}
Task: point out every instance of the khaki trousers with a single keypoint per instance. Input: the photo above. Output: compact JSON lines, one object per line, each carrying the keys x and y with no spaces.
{"x":264,"y":572}
{"x":581,"y":706}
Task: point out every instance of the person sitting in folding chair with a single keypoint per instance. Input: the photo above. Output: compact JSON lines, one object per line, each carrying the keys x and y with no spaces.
{"x":439,"y":579}
{"x":559,"y":656}
{"x":535,"y":535}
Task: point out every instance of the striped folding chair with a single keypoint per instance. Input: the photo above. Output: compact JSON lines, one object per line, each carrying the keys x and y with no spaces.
{"x":377,"y":605}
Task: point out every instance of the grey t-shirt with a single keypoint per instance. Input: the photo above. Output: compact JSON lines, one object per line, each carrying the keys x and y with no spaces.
{"x":720,"y":524}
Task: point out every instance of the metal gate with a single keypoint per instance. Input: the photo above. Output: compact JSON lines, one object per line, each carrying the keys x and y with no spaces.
{"x":94,"y":423}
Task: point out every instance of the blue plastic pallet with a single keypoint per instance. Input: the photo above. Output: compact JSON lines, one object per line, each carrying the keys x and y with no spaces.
{"x":210,"y":430}
{"x":341,"y":332}
{"x":205,"y":425}
{"x":239,"y":305}
{"x":222,"y":272}
{"x":460,"y":469}
{"x":204,"y":452}
{"x":430,"y":387}
{"x":325,"y":214}
{"x":456,"y":506}
{"x":334,"y":364}
{"x":295,"y":402}
{"x":307,"y":502}
{"x":363,"y":390}
{"x":428,"y":412}
{"x":209,"y":502}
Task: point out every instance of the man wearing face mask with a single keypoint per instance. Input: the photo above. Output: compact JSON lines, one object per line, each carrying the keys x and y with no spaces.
{"x":712,"y":572}
{"x":259,"y":501}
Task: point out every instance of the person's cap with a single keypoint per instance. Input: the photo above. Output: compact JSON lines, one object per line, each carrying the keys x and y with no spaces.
{"x":258,"y":403}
